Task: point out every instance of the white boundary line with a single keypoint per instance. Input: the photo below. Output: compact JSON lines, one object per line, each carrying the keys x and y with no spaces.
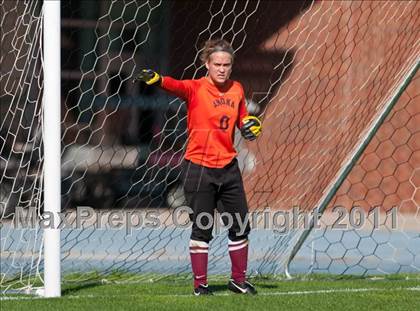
{"x":286,"y":293}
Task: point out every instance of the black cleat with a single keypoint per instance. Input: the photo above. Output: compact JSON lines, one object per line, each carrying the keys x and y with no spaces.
{"x":202,"y":290}
{"x":242,"y":288}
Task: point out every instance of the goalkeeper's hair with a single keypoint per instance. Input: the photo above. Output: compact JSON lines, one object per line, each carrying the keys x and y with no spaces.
{"x":215,"y":45}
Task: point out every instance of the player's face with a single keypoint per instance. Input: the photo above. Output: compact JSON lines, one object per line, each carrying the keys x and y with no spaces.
{"x":219,"y":66}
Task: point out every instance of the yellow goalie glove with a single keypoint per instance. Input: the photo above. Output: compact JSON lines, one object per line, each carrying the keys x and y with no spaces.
{"x":251,"y":127}
{"x":148,"y":79}
{"x":148,"y":76}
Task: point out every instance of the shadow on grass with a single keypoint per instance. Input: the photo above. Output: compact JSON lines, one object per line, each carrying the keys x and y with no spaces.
{"x":72,"y":289}
{"x":218,"y":287}
{"x":223,"y":287}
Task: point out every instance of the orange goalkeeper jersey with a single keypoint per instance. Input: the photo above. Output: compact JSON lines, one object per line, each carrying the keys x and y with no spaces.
{"x":212,"y":116}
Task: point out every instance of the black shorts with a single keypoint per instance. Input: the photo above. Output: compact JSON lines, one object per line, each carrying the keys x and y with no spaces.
{"x":209,"y":188}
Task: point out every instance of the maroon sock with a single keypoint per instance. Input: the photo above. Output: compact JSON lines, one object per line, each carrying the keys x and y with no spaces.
{"x":238,"y":252}
{"x":199,"y":257}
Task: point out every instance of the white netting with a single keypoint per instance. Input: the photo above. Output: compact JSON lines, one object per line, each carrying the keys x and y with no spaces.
{"x":20,"y":135}
{"x":317,"y":72}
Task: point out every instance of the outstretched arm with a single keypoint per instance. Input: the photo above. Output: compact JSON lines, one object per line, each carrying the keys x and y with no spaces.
{"x":150,"y":78}
{"x":180,"y":88}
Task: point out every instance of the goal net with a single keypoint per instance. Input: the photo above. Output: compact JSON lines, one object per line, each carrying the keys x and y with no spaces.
{"x":334,"y":82}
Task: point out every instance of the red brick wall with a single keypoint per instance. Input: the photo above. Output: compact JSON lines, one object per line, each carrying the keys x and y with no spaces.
{"x":388,"y":173}
{"x":348,"y":58}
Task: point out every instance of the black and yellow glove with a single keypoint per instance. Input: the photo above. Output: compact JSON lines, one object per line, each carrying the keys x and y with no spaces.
{"x":251,"y":127}
{"x":148,"y":77}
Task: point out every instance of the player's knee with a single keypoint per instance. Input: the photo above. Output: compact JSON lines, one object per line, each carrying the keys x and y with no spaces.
{"x":239,"y":232}
{"x":201,"y":235}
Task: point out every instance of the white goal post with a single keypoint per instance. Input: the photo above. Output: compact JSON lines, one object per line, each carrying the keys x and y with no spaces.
{"x":52,"y":144}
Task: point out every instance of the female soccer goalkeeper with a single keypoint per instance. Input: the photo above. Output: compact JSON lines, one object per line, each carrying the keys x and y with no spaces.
{"x":215,"y":106}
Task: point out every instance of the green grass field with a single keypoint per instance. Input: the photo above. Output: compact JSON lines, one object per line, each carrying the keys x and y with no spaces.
{"x":318,"y":293}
